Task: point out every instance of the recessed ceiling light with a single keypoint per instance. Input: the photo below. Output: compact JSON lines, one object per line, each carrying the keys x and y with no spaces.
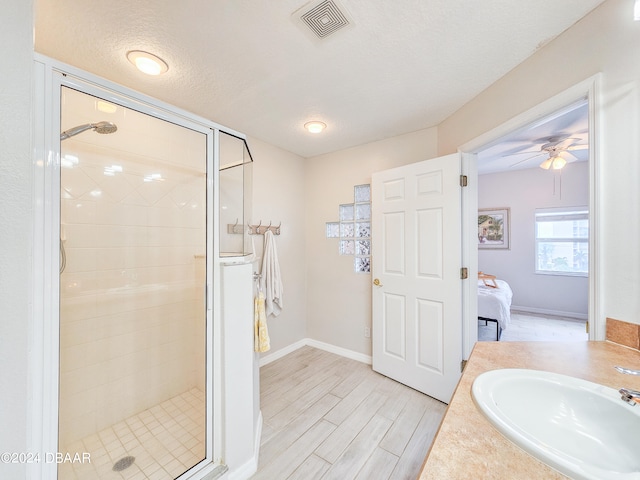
{"x":147,"y":62}
{"x":315,"y":126}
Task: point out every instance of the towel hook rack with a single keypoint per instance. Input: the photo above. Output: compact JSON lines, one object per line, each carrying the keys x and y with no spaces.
{"x":235,"y":228}
{"x":258,"y":229}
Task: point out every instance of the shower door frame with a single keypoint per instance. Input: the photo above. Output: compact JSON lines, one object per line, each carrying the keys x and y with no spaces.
{"x":50,"y":76}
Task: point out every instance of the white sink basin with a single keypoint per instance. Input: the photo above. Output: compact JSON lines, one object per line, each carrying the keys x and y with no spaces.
{"x":580,"y":428}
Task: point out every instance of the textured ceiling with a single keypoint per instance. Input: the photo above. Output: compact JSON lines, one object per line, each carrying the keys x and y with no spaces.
{"x":399,"y":67}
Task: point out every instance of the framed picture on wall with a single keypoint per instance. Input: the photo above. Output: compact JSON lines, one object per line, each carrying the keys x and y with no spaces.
{"x":493,"y":228}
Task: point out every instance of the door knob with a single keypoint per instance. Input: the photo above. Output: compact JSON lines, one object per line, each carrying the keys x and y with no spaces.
{"x":376,"y":282}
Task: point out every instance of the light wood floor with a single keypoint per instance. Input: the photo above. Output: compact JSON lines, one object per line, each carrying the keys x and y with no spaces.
{"x":328,"y":417}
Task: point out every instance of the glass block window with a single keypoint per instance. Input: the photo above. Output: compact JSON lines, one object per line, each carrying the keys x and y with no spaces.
{"x":353,"y":228}
{"x":333,"y":229}
{"x":363,"y":247}
{"x":347,"y":247}
{"x":362,"y":264}
{"x":363,"y":230}
{"x":346,"y":213}
{"x":347,"y":230}
{"x":362,"y":193}
{"x":363,"y":211}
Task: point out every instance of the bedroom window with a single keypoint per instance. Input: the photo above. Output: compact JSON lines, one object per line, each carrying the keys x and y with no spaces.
{"x":562,"y":241}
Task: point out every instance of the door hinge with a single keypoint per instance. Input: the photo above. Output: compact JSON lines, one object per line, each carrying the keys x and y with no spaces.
{"x":463,"y":364}
{"x":463,"y":180}
{"x":464,"y":273}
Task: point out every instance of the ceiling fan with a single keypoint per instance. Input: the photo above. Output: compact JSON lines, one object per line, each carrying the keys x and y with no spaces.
{"x":556,"y":148}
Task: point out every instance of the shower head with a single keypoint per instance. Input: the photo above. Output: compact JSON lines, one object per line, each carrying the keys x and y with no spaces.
{"x":100,"y":127}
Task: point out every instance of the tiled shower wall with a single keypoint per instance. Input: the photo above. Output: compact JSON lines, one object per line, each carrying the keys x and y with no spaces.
{"x":132,"y":294}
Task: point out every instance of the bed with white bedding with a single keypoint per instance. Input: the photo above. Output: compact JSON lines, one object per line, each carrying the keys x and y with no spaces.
{"x":494,"y":304}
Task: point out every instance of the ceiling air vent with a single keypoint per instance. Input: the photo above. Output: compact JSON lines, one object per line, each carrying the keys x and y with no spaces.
{"x":325,"y":18}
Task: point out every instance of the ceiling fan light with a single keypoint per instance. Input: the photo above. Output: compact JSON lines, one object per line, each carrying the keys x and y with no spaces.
{"x":546,"y":165}
{"x":558,"y":163}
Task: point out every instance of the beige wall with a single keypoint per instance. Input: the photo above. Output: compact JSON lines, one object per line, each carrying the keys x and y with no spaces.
{"x":338,"y":299}
{"x":607,"y":41}
{"x":16,"y":49}
{"x":279,"y":196}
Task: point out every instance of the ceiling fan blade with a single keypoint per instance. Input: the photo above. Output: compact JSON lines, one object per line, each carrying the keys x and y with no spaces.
{"x":553,"y":139}
{"x":520,"y":153}
{"x":577,"y":147}
{"x":528,"y":158}
{"x":570,"y":157}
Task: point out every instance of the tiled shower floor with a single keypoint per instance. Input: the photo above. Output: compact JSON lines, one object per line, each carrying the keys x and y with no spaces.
{"x":166,"y":440}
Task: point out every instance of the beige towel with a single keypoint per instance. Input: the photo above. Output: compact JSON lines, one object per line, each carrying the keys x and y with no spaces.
{"x":261,"y":335}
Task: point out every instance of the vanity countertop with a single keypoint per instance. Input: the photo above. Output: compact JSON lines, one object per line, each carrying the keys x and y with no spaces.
{"x":467,"y":446}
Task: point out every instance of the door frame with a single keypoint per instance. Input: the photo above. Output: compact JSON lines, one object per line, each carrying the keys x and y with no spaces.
{"x":588,"y":89}
{"x":49,"y":76}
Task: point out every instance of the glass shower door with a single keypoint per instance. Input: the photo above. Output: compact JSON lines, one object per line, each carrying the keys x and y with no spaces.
{"x":133,"y":223}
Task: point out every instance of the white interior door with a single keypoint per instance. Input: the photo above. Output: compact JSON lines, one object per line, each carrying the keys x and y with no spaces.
{"x":417,"y":310}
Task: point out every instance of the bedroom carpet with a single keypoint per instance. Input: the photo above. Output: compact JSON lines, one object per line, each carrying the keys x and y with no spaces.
{"x":525,"y":327}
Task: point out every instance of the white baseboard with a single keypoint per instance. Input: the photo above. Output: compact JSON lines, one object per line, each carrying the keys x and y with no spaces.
{"x":256,"y":441}
{"x":554,"y":313}
{"x":246,"y":471}
{"x":343,"y":352}
{"x":272,"y":357}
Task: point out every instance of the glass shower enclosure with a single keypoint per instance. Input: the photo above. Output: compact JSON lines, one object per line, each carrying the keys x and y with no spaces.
{"x":133,"y":271}
{"x":235,"y":192}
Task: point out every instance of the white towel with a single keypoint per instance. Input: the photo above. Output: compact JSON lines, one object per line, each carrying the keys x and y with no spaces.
{"x":270,"y":281}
